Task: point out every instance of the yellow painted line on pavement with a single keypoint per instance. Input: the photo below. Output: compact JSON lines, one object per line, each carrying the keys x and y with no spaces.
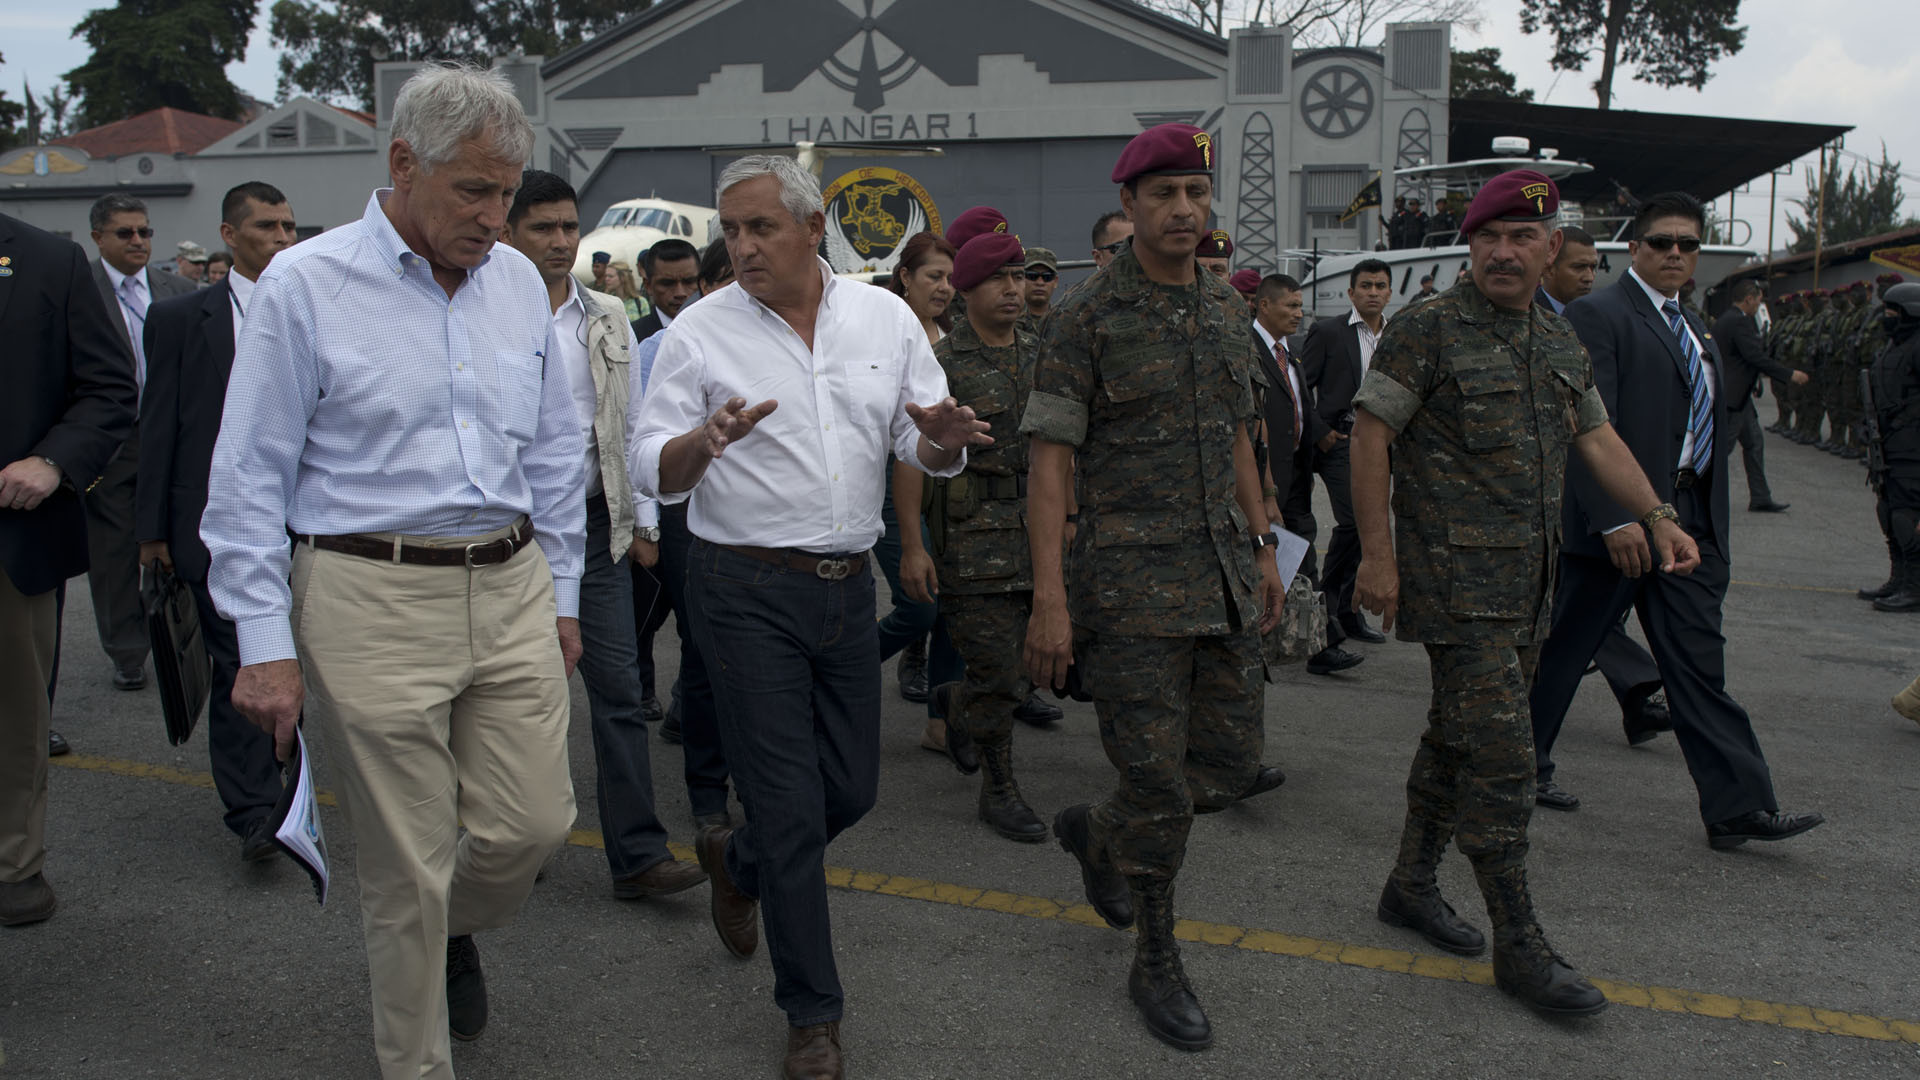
{"x":1665,"y":999}
{"x":1792,"y":588}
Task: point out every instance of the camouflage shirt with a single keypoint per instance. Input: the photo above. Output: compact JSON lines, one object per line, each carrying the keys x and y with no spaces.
{"x":1484,"y":402}
{"x":1150,"y":384}
{"x":986,"y":549}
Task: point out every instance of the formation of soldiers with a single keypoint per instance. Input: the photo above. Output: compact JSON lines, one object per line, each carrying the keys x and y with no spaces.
{"x":1832,"y":335}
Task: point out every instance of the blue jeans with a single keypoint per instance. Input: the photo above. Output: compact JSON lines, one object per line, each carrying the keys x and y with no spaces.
{"x":704,"y":763}
{"x":609,"y":666}
{"x":910,"y":620}
{"x":796,"y":667}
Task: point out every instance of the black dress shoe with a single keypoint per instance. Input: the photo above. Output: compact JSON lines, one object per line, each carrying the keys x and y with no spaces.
{"x":1760,"y":825}
{"x":57,"y":745}
{"x":1331,"y":659}
{"x":1903,"y":601}
{"x":466,"y":989}
{"x":911,"y":672}
{"x":1037,"y":712}
{"x":1645,"y":717}
{"x":29,"y":901}
{"x":1356,"y":627}
{"x":1768,"y":507}
{"x":130,"y":679}
{"x":650,"y":711}
{"x":670,"y":727}
{"x":1554,"y":797}
{"x":257,"y":843}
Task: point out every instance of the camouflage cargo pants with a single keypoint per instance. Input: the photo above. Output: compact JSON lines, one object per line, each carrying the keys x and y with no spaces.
{"x":1473,"y":774}
{"x":988,"y":630}
{"x":1181,"y":719}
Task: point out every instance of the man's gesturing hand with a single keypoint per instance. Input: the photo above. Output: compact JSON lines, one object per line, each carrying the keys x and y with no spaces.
{"x":270,"y":695}
{"x":949,"y":424}
{"x":733,"y":422}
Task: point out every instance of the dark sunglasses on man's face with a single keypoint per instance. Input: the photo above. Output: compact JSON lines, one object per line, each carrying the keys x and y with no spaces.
{"x":1663,"y":242}
{"x":1113,"y":248}
{"x":126,"y":234}
{"x":1041,"y":275}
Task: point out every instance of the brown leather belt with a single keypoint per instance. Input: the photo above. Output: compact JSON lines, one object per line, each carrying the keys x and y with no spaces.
{"x":490,"y":553}
{"x":824,"y":567}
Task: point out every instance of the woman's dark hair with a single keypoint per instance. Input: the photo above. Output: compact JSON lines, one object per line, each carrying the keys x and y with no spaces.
{"x":913,"y":254}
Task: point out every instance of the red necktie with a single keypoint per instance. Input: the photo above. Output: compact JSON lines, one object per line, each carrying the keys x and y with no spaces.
{"x":1286,"y":379}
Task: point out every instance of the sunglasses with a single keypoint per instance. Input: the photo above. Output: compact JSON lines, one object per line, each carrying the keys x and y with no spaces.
{"x":126,"y":234}
{"x":1663,"y":242}
{"x":1113,"y":248}
{"x":1041,"y":275}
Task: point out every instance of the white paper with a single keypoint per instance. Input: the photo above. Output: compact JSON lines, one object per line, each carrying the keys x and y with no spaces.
{"x":1289,"y":551}
{"x":300,"y":832}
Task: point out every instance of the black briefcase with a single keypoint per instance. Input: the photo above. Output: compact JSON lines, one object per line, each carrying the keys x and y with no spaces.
{"x":179,"y":651}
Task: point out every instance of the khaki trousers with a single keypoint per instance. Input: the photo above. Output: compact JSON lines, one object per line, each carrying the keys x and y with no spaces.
{"x":443,"y":702}
{"x":26,"y":659}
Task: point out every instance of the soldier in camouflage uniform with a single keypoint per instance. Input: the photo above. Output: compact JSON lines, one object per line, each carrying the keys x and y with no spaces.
{"x":1480,"y":393}
{"x":1143,"y":385}
{"x":1842,"y":368}
{"x":985,"y":586}
{"x":1787,"y":313}
{"x":1810,"y":411}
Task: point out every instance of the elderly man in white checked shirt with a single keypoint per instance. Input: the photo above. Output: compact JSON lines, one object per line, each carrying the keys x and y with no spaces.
{"x":392,"y":407}
{"x":778,"y":576}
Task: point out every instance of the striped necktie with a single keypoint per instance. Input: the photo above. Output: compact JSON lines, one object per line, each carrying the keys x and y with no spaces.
{"x":1700,"y":412}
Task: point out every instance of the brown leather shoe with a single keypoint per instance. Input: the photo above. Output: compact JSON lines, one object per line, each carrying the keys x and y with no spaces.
{"x":661,"y":879}
{"x":813,"y":1053}
{"x":735,"y":915}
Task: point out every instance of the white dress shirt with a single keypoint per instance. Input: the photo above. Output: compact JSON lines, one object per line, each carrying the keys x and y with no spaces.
{"x":1706,"y":360}
{"x":133,"y":314}
{"x":811,"y":474}
{"x":364,"y":399}
{"x":242,"y":289}
{"x":1369,"y":339}
{"x":1278,"y":347}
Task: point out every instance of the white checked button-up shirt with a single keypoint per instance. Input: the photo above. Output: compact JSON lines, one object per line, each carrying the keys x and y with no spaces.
{"x":242,"y":295}
{"x":810,"y":476}
{"x":364,"y":399}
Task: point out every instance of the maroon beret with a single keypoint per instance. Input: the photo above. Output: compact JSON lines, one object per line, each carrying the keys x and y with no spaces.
{"x":980,"y":219}
{"x":1890,"y":278}
{"x":1165,"y":150}
{"x":1217,"y":245}
{"x":1520,"y":195}
{"x":984,"y":256}
{"x":1247,"y":281}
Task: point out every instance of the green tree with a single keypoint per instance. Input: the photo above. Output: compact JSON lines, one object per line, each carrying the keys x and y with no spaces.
{"x":1866,"y":202}
{"x":1669,"y":42}
{"x":332,"y":45}
{"x":150,"y":53}
{"x":1478,"y":74}
{"x":12,"y":132}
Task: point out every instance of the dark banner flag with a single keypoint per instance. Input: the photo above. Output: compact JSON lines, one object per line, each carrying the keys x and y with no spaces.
{"x":1369,"y":196}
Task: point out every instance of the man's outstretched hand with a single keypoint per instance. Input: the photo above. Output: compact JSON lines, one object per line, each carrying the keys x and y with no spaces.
{"x":949,"y":424}
{"x":733,"y":422}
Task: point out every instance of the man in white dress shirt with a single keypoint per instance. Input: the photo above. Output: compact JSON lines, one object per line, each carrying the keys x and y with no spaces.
{"x":784,"y":609}
{"x":393,"y":407}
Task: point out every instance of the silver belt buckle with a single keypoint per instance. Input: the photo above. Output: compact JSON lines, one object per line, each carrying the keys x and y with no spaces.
{"x":833,"y":569}
{"x":469,"y":553}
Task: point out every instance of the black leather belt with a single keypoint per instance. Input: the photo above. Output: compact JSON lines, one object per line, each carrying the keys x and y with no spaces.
{"x":367,"y":546}
{"x":824,"y":567}
{"x":1002,"y":487}
{"x":1684,"y":479}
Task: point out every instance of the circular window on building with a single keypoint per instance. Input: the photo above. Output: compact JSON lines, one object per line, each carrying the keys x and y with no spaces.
{"x":1336,"y":102}
{"x":145,"y":165}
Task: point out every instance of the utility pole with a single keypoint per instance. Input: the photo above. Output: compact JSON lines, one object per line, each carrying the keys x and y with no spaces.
{"x":1820,"y":218}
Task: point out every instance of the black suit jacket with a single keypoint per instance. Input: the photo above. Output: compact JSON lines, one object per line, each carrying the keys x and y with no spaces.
{"x":1739,"y":336}
{"x":1286,"y":464}
{"x":647,"y":325}
{"x":189,"y":343}
{"x":1642,"y":376}
{"x":1330,"y":364}
{"x":69,"y":397}
{"x":160,"y":286}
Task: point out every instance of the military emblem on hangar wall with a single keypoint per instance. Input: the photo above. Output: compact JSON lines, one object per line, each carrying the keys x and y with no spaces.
{"x":870,"y":213}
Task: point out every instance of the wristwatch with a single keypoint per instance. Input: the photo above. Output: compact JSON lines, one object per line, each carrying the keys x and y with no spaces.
{"x":1664,"y":511}
{"x":1262,"y":540}
{"x":649,"y":533}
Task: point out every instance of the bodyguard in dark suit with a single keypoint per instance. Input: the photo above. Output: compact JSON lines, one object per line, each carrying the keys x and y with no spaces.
{"x":1656,"y":366}
{"x":1291,"y":428}
{"x":189,"y":344}
{"x":1334,"y":358}
{"x":68,"y":405}
{"x":1747,"y":360}
{"x":128,"y":287}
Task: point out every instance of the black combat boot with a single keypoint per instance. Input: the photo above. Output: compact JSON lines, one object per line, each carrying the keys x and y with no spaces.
{"x":1105,"y":888}
{"x":1906,"y":597}
{"x":1001,"y":806}
{"x":1158,"y":984}
{"x":1412,"y":896}
{"x":912,"y":671}
{"x":1898,"y":559}
{"x":1524,"y":965}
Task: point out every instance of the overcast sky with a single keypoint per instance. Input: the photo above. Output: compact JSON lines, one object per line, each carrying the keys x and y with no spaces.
{"x":1837,"y":62}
